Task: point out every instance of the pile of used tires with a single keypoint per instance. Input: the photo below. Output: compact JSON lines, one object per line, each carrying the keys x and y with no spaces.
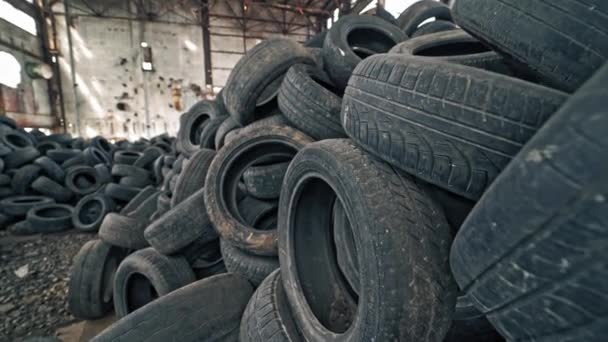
{"x":333,"y":177}
{"x":52,"y":183}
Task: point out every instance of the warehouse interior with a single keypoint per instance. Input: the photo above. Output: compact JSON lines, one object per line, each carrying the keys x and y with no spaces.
{"x":100,"y":81}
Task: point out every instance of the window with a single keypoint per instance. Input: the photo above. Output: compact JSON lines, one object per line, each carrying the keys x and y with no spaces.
{"x":18,"y":18}
{"x":11,"y":70}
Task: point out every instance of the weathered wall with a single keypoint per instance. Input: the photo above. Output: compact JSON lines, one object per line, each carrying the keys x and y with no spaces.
{"x":31,"y":97}
{"x":113,"y":95}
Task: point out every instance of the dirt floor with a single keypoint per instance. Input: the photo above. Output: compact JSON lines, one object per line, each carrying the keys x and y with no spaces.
{"x":33,"y":284}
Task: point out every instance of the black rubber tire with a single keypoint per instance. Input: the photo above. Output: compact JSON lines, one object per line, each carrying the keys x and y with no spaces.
{"x":346,"y":252}
{"x":310,"y":102}
{"x":63,"y":154}
{"x":179,"y":227}
{"x":226,"y":127}
{"x":399,"y":234}
{"x":90,"y":212}
{"x":381,"y":13}
{"x":102,"y":144}
{"x":104,"y":173}
{"x":5,"y":192}
{"x":192,"y":177}
{"x":207,"y":139}
{"x":15,"y":140}
{"x":455,"y":208}
{"x":541,"y":33}
{"x":273,"y":120}
{"x":470,"y":325}
{"x":268,"y":316}
{"x":539,"y":270}
{"x":5,"y":180}
{"x":192,"y":125}
{"x":94,"y":156}
{"x":146,"y":275}
{"x":178,"y":164}
{"x":126,"y":157}
{"x":353,"y":38}
{"x":48,"y":187}
{"x":145,"y":209}
{"x":253,"y":267}
{"x":20,"y":157}
{"x":316,"y":41}
{"x":121,"y":193}
{"x":82,"y":180}
{"x":135,"y":182}
{"x":258,"y":213}
{"x":24,"y":177}
{"x":149,"y":155}
{"x":123,"y":170}
{"x":264,"y":181}
{"x":123,"y":231}
{"x":6,"y":121}
{"x":44,"y":146}
{"x":209,"y":310}
{"x":434,"y":27}
{"x":75,"y":161}
{"x":18,"y":206}
{"x":454,"y":46}
{"x":257,"y":76}
{"x":136,"y":201}
{"x":249,"y":148}
{"x":451,"y":125}
{"x":51,"y":169}
{"x":50,"y":218}
{"x":413,"y":16}
{"x":92,"y":279}
{"x":164,"y":203}
{"x":62,"y":138}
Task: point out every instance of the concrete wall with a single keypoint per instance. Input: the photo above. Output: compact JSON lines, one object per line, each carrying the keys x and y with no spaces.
{"x":113,"y":96}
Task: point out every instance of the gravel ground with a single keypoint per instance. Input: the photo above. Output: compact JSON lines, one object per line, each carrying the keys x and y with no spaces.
{"x":33,"y":282}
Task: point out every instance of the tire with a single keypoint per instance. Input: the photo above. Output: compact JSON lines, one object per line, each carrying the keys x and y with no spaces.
{"x":470,"y":325}
{"x":413,"y":16}
{"x":188,"y":137}
{"x":82,"y":180}
{"x":23,"y":178}
{"x":104,"y":173}
{"x":102,"y":144}
{"x":123,"y":170}
{"x":310,"y":102}
{"x":455,"y":208}
{"x":353,"y":38}
{"x":15,"y":140}
{"x":94,"y":156}
{"x":145,"y":276}
{"x":8,"y":122}
{"x":91,"y":279}
{"x":90,"y":212}
{"x":274,"y":120}
{"x":20,"y":157}
{"x":544,"y":278}
{"x":18,"y":206}
{"x":542,"y":31}
{"x":434,"y":27}
{"x":268,"y":316}
{"x":316,"y":41}
{"x":63,"y":154}
{"x":228,"y":125}
{"x":126,"y":157}
{"x":178,"y":164}
{"x":454,"y":46}
{"x":51,"y":169}
{"x":253,"y":267}
{"x":79,"y":160}
{"x":445,"y":126}
{"x":149,"y":155}
{"x":208,"y":310}
{"x":164,"y":203}
{"x":192,"y":177}
{"x":50,"y":218}
{"x":135,"y":182}
{"x":48,"y":187}
{"x":346,"y":252}
{"x":249,"y":148}
{"x":181,"y":226}
{"x":207,"y":139}
{"x":136,"y":201}
{"x":44,"y":146}
{"x":264,"y":181}
{"x":123,"y":231}
{"x":257,"y":213}
{"x":121,"y":193}
{"x":256,"y":78}
{"x":6,"y":192}
{"x":5,"y":180}
{"x":387,"y":250}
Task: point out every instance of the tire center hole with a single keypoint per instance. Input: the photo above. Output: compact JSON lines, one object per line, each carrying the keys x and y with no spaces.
{"x":368,"y":41}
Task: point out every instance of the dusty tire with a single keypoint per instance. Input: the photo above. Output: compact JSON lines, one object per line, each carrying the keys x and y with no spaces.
{"x":20,"y":157}
{"x":264,"y":181}
{"x":136,"y":201}
{"x":310,"y":102}
{"x":90,"y":212}
{"x":92,"y":279}
{"x":451,"y":125}
{"x":123,"y":231}
{"x":257,"y":76}
{"x":541,"y":32}
{"x":413,"y":16}
{"x":228,"y":125}
{"x":207,"y":139}
{"x":353,"y":38}
{"x":18,"y":206}
{"x":208,"y":310}
{"x":399,"y":234}
{"x":538,"y":271}
{"x":192,"y":177}
{"x":145,"y":276}
{"x":434,"y":27}
{"x":50,"y":218}
{"x":51,"y":169}
{"x":48,"y":187}
{"x":249,"y":148}
{"x":82,"y":180}
{"x":194,"y":121}
{"x":23,"y":178}
{"x":121,"y":192}
{"x":470,"y":325}
{"x":253,"y":267}
{"x":182,"y":225}
{"x":126,"y":157}
{"x":268,"y":316}
{"x":123,"y":170}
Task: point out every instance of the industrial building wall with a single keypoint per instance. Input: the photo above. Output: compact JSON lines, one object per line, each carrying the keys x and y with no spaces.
{"x":114,"y":97}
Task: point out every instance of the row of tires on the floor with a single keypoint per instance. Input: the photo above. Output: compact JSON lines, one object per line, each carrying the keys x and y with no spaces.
{"x":329,"y":238}
{"x":52,"y":183}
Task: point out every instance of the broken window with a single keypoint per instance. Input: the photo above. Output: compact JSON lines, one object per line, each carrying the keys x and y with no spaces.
{"x":11,"y":70}
{"x":18,"y":18}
